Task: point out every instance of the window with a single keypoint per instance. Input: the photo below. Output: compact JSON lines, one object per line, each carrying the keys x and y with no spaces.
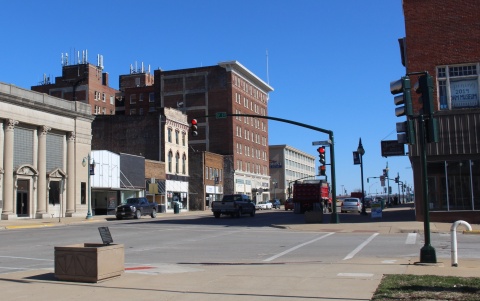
{"x":206,"y":173}
{"x":458,"y":86}
{"x":133,"y":99}
{"x":140,"y":97}
{"x":184,"y":164}
{"x":177,"y":137}
{"x":169,"y":135}
{"x":104,"y":97}
{"x":112,"y":100}
{"x":183,"y":138}
{"x":151,"y":97}
{"x":83,"y":193}
{"x":177,"y":162}
{"x":170,"y":158}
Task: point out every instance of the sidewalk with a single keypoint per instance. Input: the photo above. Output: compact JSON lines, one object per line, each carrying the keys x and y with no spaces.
{"x":355,"y":279}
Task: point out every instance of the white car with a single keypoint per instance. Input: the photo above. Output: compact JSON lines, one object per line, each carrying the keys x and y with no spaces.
{"x":351,"y":204}
{"x":263,"y":206}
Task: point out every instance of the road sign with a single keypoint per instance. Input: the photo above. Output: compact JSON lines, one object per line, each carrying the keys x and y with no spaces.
{"x":324,"y":142}
{"x":219,"y":115}
{"x":392,"y":148}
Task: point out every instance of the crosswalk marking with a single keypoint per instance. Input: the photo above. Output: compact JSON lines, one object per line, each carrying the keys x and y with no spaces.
{"x":411,"y":239}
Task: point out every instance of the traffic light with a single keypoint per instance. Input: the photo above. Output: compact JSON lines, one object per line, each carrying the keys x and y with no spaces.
{"x":402,"y":86}
{"x":321,"y":154}
{"x":193,"y":127}
{"x":405,"y":130}
{"x":396,"y":180}
{"x":425,"y":89}
{"x":323,"y":170}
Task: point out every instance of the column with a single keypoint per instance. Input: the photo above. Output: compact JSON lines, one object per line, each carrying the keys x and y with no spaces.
{"x":70,"y":175}
{"x":8,"y":199}
{"x":42,"y":172}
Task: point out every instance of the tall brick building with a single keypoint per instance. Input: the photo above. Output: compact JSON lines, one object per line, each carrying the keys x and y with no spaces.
{"x":198,"y":92}
{"x":84,"y":82}
{"x":443,"y":38}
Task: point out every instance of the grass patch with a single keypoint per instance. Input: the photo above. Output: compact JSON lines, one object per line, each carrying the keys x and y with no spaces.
{"x":427,"y":287}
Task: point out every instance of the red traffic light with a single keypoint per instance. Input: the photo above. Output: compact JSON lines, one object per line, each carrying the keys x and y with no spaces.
{"x":322,"y":170}
{"x":321,"y":149}
{"x":194,"y":127}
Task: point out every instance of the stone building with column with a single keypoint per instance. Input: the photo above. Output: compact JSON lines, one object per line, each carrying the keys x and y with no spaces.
{"x":43,"y":140}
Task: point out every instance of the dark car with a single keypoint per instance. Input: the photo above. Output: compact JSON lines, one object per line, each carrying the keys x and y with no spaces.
{"x":368,"y":202}
{"x":275,"y":204}
{"x":136,"y":207}
{"x":289,"y":204}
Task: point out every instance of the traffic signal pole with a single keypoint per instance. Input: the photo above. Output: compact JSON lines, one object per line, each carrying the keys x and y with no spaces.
{"x":428,"y":133}
{"x":334,"y":216}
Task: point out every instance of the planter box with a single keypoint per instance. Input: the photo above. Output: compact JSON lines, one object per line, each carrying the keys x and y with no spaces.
{"x":313,"y":217}
{"x":89,"y":262}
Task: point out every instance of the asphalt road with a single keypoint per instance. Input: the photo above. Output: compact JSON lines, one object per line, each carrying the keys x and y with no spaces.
{"x":204,"y":239}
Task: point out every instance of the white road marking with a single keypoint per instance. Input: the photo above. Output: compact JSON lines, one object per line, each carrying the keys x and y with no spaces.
{"x":27,"y":258}
{"x":411,"y":239}
{"x":390,"y":261}
{"x":297,"y":247}
{"x":360,"y":247}
{"x":357,"y":275}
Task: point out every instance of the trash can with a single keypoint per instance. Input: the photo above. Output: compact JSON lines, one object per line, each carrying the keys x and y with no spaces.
{"x":161,"y":208}
{"x":176,"y":208}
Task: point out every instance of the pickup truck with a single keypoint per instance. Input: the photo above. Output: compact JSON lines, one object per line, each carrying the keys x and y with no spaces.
{"x":136,"y":207}
{"x":233,"y":205}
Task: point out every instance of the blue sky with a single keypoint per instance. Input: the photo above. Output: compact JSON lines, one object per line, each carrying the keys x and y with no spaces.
{"x":330,"y":62}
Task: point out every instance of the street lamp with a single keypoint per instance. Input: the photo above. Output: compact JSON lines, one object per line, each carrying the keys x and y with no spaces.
{"x":90,"y":170}
{"x":361,"y":152}
{"x":274,"y":182}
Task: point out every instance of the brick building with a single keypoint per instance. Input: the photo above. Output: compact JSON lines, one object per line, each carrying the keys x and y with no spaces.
{"x":206,"y":179}
{"x":83,"y":82}
{"x":160,"y":137}
{"x":227,"y":87}
{"x":443,"y":38}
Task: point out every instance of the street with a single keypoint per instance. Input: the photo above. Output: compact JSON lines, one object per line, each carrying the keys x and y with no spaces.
{"x":180,"y":241}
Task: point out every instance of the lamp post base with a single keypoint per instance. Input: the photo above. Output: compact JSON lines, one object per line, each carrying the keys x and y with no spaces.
{"x":428,"y":255}
{"x":334,"y":218}
{"x":89,"y":216}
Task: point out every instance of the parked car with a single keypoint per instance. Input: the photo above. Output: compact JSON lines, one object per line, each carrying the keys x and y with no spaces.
{"x":351,"y":204}
{"x":368,"y":202}
{"x":263,"y":206}
{"x":136,"y":207}
{"x":289,"y":204}
{"x":275,"y":204}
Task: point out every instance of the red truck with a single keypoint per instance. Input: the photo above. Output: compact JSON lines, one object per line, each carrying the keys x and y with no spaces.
{"x":311,"y":195}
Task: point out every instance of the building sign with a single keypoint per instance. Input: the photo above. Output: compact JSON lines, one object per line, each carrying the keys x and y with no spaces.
{"x":464,"y":94}
{"x":392,"y":148}
{"x":275,"y":164}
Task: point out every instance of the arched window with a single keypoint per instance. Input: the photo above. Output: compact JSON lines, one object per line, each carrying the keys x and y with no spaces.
{"x":169,"y":135}
{"x":184,"y":164}
{"x":170,"y":158}
{"x":177,"y":162}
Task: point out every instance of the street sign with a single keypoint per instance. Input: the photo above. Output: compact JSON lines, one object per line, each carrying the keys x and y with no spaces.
{"x":392,"y":148}
{"x":219,"y":115}
{"x":324,"y":142}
